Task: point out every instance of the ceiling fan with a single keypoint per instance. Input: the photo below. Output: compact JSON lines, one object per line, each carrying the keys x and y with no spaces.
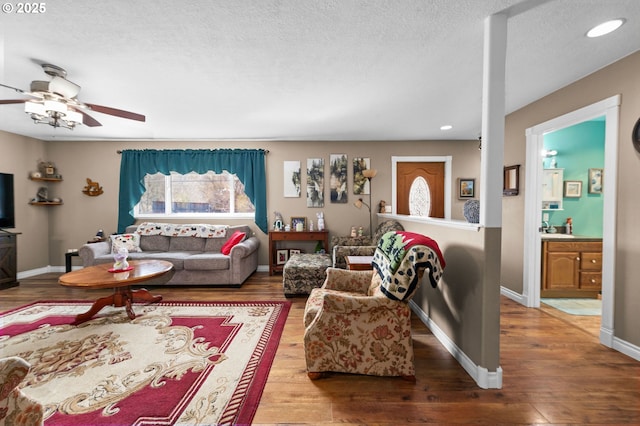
{"x":55,"y":102}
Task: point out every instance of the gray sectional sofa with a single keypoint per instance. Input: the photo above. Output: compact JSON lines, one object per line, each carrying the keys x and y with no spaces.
{"x":197,"y":260}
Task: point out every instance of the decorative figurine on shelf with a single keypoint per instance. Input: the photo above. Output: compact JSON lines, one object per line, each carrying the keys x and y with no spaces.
{"x":43,"y":195}
{"x":121,"y":259}
{"x":278,"y":223}
{"x":320,"y":217}
{"x":93,"y":189}
{"x":382,"y":207}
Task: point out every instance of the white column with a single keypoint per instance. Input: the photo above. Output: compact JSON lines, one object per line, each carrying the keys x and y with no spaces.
{"x":493,"y":111}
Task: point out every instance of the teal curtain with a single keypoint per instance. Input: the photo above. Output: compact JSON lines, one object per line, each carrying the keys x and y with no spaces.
{"x":247,"y":164}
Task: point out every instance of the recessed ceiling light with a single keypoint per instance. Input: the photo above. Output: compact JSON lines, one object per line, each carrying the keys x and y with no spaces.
{"x":446,"y":127}
{"x":605,"y":28}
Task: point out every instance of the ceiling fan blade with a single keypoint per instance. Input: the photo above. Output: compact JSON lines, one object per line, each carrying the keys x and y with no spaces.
{"x":87,"y":120}
{"x":116,"y":112}
{"x":13,"y":101}
{"x":13,"y":88}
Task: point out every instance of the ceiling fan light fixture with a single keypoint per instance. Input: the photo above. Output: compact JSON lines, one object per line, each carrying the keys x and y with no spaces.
{"x":34,"y":108}
{"x":53,"y":113}
{"x":73,"y":117}
{"x":53,"y":106}
{"x":605,"y":28}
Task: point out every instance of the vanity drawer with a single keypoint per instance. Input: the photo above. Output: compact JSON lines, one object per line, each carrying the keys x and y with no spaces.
{"x":590,"y":280}
{"x":591,"y":261}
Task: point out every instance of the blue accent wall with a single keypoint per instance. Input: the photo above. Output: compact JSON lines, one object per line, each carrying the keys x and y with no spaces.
{"x":580,"y":147}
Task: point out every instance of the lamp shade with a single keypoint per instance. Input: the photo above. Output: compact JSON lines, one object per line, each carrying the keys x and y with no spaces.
{"x":369,"y":173}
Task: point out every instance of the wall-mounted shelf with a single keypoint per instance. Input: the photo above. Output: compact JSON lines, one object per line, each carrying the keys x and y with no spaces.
{"x":42,"y":198}
{"x":46,"y":179}
{"x":46,"y":203}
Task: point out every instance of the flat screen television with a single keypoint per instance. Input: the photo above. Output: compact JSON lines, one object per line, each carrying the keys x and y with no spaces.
{"x":7,"y":205}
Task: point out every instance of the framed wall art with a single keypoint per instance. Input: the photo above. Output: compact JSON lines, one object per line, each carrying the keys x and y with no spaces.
{"x":292,"y":179}
{"x":595,"y":181}
{"x":338,"y":178}
{"x":360,"y":183}
{"x":572,"y":188}
{"x":466,"y":188}
{"x":315,"y":182}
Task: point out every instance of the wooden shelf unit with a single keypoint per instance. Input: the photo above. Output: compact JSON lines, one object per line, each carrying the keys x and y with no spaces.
{"x":46,"y":179}
{"x":276,"y":236}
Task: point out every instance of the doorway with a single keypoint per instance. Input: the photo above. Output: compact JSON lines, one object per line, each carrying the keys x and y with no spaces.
{"x":533,"y":200}
{"x":431,"y":175}
{"x":397,"y":162}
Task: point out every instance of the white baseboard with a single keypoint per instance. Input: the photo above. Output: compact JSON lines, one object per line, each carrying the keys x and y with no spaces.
{"x":482,"y":376}
{"x":516,"y":297}
{"x":626,"y":348}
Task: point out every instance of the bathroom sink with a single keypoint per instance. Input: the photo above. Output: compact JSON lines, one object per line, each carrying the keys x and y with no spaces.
{"x":556,"y":236}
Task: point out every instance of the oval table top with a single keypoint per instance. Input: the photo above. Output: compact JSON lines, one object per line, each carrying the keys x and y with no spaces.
{"x":98,"y":276}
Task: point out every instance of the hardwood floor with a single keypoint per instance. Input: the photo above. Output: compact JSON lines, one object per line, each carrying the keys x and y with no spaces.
{"x":554,"y":369}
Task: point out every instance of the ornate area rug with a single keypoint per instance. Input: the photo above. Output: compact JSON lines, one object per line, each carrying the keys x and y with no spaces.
{"x":175,"y":363}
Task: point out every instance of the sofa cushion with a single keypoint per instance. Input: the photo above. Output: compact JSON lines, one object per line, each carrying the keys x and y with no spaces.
{"x":186,"y":244}
{"x":131,"y":242}
{"x":206,"y":262}
{"x":154,"y":243}
{"x":232,"y":241}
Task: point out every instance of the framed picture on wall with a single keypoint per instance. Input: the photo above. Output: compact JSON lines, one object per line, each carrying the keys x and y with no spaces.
{"x":595,"y":181}
{"x":466,"y":188}
{"x":572,"y":188}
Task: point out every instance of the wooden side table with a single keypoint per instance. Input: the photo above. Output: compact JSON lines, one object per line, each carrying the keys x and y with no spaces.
{"x":275,"y":236}
{"x":359,"y":263}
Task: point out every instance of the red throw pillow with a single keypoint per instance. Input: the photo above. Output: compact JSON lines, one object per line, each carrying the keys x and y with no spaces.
{"x":235,"y":239}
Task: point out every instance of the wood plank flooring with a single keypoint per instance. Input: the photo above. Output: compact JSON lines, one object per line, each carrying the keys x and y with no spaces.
{"x":554,"y":369}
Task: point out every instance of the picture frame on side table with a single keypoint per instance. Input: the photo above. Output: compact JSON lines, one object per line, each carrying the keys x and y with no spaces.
{"x":294,"y":251}
{"x":298,"y":220}
{"x":572,"y":188}
{"x":282,"y":255}
{"x":466,"y":188}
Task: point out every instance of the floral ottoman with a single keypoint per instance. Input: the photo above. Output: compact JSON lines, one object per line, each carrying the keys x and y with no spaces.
{"x":304,"y":272}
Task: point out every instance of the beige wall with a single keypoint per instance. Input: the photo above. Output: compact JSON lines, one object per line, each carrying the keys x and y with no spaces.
{"x":466,"y":303}
{"x":19,"y":155}
{"x":618,"y":78}
{"x":73,"y":223}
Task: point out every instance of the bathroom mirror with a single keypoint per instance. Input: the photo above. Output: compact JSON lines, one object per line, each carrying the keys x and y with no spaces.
{"x":511,"y":185}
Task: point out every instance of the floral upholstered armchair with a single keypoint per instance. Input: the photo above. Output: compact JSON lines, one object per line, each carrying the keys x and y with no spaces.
{"x":360,"y":246}
{"x":15,"y":407}
{"x":359,"y":321}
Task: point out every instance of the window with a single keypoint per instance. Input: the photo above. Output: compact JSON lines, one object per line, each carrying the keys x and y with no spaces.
{"x":194,"y":195}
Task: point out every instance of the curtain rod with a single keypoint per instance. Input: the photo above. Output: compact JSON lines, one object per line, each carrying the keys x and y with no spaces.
{"x":266,"y":151}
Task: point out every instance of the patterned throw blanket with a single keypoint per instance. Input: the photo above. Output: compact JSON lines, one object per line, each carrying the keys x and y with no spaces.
{"x":179,"y":230}
{"x":398,"y":259}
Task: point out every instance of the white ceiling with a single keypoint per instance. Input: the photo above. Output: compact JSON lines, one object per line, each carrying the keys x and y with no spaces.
{"x":300,"y":69}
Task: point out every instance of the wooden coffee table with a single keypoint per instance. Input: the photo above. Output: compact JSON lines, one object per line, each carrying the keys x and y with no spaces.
{"x":359,"y":263}
{"x":98,"y":276}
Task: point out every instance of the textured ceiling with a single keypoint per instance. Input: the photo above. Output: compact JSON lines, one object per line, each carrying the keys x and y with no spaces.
{"x":300,"y":69}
